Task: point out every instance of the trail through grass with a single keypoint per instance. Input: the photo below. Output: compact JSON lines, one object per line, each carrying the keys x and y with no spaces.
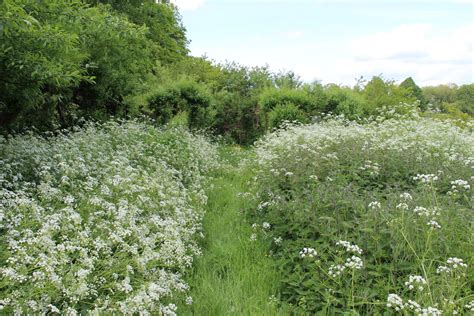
{"x":234,"y":276}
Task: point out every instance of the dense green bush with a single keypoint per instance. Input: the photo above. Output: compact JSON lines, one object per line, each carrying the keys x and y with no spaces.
{"x":379,"y":93}
{"x":344,"y":101}
{"x":183,"y":96}
{"x":285,"y":113}
{"x":300,"y":98}
{"x":61,"y":60}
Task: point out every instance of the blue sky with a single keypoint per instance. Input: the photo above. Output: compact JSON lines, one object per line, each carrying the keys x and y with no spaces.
{"x":338,"y":41}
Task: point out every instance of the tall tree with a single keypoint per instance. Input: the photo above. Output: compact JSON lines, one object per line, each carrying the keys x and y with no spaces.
{"x":414,"y":91}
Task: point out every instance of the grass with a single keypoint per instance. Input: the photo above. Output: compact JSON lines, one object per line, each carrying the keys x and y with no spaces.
{"x":234,"y":276}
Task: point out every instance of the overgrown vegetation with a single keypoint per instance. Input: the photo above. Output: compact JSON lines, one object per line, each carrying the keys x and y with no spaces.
{"x":346,"y":200}
{"x":369,"y":217}
{"x":102,"y":219}
{"x":62,"y":61}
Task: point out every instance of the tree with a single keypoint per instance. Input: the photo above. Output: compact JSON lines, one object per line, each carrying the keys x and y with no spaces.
{"x":60,"y":59}
{"x":163,"y":21}
{"x":465,"y":98}
{"x":413,"y":91}
{"x":40,"y":56}
{"x":379,"y":93}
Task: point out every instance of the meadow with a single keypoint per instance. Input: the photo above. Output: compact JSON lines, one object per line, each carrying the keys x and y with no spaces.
{"x":139,"y":179}
{"x":325,"y":218}
{"x":105,"y":218}
{"x":369,"y":218}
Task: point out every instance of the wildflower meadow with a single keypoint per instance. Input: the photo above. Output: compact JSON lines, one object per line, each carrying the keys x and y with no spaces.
{"x":104,"y":218}
{"x":369,"y":218}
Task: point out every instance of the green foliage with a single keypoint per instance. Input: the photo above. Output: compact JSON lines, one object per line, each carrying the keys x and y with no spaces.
{"x":465,"y":98}
{"x":61,"y":60}
{"x":40,"y":56}
{"x":341,"y":100}
{"x":379,"y":93}
{"x":120,"y":59}
{"x":285,"y":113}
{"x":184,"y":96}
{"x":451,"y":99}
{"x":236,"y":92}
{"x":440,"y":94}
{"x":163,"y":22}
{"x":271,"y":98}
{"x":413,"y":91}
{"x":338,"y":180}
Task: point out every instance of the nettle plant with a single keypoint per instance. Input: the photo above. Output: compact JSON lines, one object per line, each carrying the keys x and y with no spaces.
{"x":369,"y":218}
{"x":104,"y":218}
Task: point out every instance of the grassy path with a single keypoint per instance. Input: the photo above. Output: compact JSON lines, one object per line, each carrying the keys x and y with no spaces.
{"x":233,"y":277}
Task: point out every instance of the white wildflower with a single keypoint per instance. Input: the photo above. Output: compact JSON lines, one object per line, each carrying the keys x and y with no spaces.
{"x":375,"y":205}
{"x":415,"y":282}
{"x":354,"y":262}
{"x":308,"y":252}
{"x":395,"y":301}
{"x":349,"y":247}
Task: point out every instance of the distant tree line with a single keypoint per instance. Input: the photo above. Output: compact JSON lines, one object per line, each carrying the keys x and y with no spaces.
{"x":63,"y":61}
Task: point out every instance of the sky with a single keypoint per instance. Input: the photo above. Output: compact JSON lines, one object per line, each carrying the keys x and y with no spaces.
{"x":337,"y":41}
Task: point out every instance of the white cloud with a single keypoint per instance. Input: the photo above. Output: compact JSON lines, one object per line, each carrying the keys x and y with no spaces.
{"x":188,"y":4}
{"x":418,"y":50}
{"x":431,"y":55}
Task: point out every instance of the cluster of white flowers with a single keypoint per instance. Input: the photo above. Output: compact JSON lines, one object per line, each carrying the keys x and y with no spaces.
{"x":396,"y":302}
{"x":433,"y":224}
{"x":375,"y":205}
{"x":406,"y":196}
{"x":470,"y":306}
{"x":336,"y":270}
{"x":308,"y":252}
{"x":423,"y":211}
{"x":429,"y":214}
{"x":421,"y":150}
{"x":109,"y":214}
{"x":459,"y":185}
{"x":349,"y":247}
{"x":426,"y":178}
{"x":415,"y":282}
{"x":452,"y":264}
{"x":353,"y":262}
{"x":372,"y":168}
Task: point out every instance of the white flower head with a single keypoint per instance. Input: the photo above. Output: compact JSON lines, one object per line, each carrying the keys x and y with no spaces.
{"x":308,"y":253}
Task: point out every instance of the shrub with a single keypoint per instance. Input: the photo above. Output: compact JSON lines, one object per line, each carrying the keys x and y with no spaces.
{"x":300,"y":98}
{"x":184,"y":96}
{"x":285,"y":113}
{"x":344,"y":101}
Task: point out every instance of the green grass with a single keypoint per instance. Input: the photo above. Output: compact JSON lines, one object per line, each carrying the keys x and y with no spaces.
{"x":234,"y":276}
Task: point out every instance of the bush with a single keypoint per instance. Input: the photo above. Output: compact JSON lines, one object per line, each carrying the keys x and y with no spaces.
{"x":184,"y":96}
{"x":285,"y":113}
{"x":344,"y":101}
{"x":300,"y":98}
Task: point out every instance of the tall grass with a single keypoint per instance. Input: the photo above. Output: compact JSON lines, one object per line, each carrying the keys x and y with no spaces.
{"x":234,"y":276}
